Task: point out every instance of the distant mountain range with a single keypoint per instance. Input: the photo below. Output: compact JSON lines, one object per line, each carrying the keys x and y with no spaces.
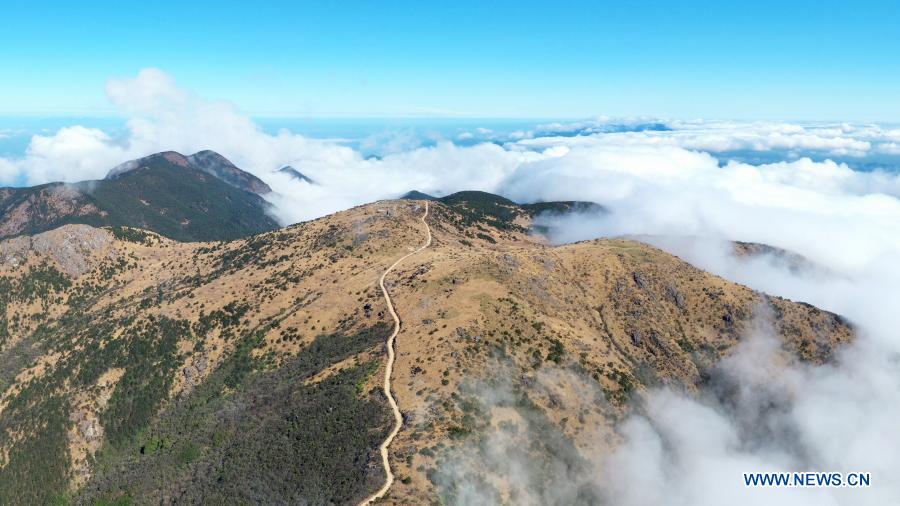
{"x":201,"y":197}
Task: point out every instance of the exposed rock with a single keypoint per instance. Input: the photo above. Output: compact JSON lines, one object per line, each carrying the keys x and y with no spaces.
{"x":194,"y":373}
{"x":636,"y":337}
{"x":658,"y":342}
{"x":75,"y":248}
{"x":86,"y":433}
{"x":639,"y":280}
{"x":675,"y":296}
{"x":14,"y":252}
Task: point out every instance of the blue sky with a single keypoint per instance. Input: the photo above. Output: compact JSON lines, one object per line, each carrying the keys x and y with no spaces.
{"x":822,"y":60}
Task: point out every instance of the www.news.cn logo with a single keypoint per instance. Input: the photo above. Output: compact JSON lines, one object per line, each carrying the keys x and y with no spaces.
{"x":807,"y":479}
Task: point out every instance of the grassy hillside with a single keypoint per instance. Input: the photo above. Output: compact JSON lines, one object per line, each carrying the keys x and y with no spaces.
{"x":477,"y":211}
{"x":139,"y":370}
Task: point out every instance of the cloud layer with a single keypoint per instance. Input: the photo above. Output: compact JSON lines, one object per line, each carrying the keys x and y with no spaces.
{"x":163,"y":116}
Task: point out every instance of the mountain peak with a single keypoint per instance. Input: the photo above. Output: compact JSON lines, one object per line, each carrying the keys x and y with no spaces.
{"x":417,"y":195}
{"x":167,"y":193}
{"x":217,"y":165}
{"x":209,"y":154}
{"x":295,"y":174}
{"x":206,"y":160}
{"x":170,"y":157}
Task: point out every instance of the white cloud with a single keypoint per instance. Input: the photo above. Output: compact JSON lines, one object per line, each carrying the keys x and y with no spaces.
{"x":162,"y":116}
{"x":890,"y":148}
{"x":839,"y":416}
{"x":152,"y":92}
{"x":844,"y":140}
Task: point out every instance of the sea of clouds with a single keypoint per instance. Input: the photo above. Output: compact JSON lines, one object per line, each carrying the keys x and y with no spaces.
{"x":829,"y":192}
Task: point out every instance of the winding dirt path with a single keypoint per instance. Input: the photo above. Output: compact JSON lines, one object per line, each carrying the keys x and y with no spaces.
{"x":398,"y":418}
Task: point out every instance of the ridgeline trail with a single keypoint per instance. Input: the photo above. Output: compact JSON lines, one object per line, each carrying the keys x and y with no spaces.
{"x":398,"y":418}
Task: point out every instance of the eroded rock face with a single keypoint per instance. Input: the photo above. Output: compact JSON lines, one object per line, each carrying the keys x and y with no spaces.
{"x":75,"y":248}
{"x":193,"y":374}
{"x":14,"y":252}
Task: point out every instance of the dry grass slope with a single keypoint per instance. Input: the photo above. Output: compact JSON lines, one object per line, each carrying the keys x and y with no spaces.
{"x":135,"y":368}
